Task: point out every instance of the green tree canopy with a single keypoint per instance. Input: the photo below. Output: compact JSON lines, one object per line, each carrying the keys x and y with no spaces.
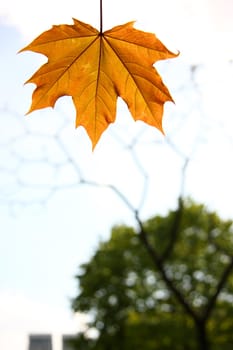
{"x":131,"y":304}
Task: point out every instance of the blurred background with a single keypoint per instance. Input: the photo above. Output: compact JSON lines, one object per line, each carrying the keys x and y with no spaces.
{"x":58,"y":199}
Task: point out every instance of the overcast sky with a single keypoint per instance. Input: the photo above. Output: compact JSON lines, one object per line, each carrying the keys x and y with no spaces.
{"x":42,"y":246}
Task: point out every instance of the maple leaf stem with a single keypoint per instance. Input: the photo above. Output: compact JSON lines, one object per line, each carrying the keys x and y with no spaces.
{"x":101,"y":16}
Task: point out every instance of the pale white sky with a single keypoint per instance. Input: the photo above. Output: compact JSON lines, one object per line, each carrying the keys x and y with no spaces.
{"x":41,"y":247}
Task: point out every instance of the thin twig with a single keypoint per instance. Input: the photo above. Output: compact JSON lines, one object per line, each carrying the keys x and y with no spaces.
{"x":101,"y":17}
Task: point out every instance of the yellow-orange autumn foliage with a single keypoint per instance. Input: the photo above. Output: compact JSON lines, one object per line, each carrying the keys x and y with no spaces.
{"x":95,"y":68}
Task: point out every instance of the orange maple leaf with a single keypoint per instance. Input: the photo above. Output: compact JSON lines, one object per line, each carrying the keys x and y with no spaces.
{"x":95,"y":68}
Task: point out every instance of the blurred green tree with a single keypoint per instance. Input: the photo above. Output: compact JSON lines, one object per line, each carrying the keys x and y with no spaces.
{"x":175,"y":294}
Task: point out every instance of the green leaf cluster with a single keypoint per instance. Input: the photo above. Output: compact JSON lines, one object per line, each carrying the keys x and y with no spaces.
{"x":131,"y":306}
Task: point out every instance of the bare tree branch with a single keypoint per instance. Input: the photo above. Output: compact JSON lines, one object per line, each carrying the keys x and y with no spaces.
{"x":159,"y":264}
